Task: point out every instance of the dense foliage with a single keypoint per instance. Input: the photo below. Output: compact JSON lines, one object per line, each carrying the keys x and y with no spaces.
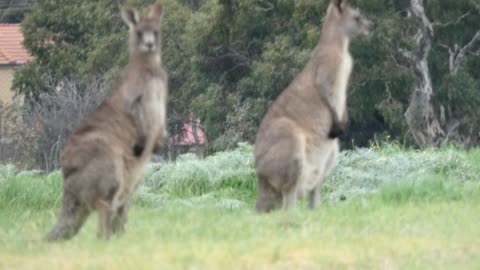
{"x":14,"y":11}
{"x":228,"y":60}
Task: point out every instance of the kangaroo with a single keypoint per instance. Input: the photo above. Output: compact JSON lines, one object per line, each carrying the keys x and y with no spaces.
{"x":103,"y":160}
{"x":294,"y":150}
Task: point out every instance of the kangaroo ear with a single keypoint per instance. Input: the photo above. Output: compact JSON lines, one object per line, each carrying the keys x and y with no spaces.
{"x":157,"y":11}
{"x":130,"y":16}
{"x":338,"y":4}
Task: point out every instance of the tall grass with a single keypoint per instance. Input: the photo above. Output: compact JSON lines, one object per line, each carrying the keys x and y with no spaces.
{"x":364,"y":171}
{"x":228,"y":179}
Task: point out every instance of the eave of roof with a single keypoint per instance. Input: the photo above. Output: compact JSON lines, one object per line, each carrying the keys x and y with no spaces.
{"x":14,"y":64}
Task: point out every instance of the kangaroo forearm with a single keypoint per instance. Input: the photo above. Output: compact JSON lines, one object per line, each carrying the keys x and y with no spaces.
{"x":331,"y":110}
{"x":136,"y":116}
{"x":135,"y":113}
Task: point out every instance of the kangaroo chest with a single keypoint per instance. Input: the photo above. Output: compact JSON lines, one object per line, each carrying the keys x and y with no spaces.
{"x":155,"y":105}
{"x":154,"y":115}
{"x":341,"y":83}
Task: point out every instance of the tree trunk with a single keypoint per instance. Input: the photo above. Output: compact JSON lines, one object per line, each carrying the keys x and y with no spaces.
{"x":420,"y":115}
{"x":194,"y":4}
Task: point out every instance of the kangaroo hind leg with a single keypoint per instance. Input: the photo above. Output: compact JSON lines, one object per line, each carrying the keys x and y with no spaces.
{"x":72,"y":217}
{"x":268,"y":198}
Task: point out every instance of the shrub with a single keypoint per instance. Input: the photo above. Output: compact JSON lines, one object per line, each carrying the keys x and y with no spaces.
{"x":57,"y":113}
{"x":17,"y":139}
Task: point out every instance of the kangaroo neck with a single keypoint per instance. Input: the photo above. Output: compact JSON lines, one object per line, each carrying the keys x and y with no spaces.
{"x":146,"y":60}
{"x":333,"y":34}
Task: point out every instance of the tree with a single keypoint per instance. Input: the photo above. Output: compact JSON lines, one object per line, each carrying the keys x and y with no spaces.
{"x":13,"y":11}
{"x":415,"y":79}
{"x":427,"y":120}
{"x":84,"y":39}
{"x":76,"y":38}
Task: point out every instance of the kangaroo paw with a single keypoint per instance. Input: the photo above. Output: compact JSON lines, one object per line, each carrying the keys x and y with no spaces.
{"x":337,"y":130}
{"x":139,"y":147}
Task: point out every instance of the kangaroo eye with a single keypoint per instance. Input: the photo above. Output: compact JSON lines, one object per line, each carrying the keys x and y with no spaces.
{"x":139,"y":34}
{"x":357,"y":19}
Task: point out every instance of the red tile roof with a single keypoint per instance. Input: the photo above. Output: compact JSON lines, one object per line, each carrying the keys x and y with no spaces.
{"x":11,"y":47}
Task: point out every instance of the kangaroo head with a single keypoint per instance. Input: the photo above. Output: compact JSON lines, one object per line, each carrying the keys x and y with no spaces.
{"x":350,"y":19}
{"x":144,"y":31}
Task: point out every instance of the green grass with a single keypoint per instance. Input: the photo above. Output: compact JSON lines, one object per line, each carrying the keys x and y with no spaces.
{"x":387,"y":208}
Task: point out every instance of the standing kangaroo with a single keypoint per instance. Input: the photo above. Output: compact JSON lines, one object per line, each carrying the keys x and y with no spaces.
{"x":294,"y":149}
{"x":104,"y":159}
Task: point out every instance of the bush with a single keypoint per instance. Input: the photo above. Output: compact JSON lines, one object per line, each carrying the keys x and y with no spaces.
{"x":225,"y":175}
{"x":17,"y":139}
{"x":365,"y":171}
{"x":59,"y":111}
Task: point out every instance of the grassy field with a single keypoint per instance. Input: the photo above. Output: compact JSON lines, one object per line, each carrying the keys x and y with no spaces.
{"x":385,"y":208}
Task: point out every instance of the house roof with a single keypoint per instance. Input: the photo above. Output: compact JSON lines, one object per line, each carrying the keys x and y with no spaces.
{"x":12,"y":51}
{"x":186,"y":136}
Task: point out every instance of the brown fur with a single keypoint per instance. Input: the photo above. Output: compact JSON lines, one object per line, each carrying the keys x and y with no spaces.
{"x":293,"y":151}
{"x":104,"y":159}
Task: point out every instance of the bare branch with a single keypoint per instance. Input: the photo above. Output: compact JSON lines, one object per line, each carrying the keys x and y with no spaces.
{"x":400,"y":66}
{"x":451,"y":55}
{"x":459,"y":19}
{"x":457,"y":56}
{"x":269,"y":5}
{"x":476,"y":4}
{"x":472,"y":42}
{"x":448,"y":48}
{"x":407,"y":54}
